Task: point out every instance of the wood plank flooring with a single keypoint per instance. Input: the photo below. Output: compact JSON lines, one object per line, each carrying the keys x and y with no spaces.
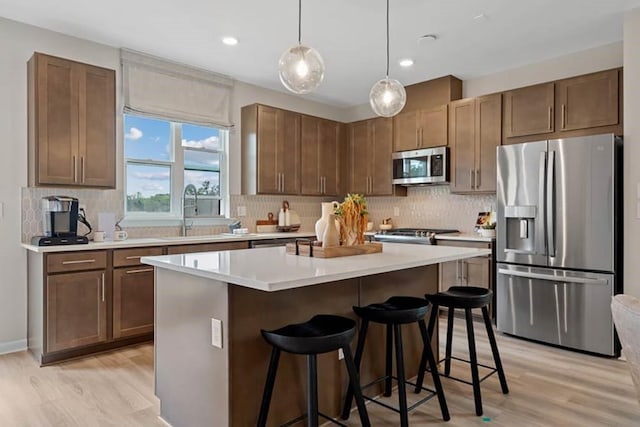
{"x":548,"y":387}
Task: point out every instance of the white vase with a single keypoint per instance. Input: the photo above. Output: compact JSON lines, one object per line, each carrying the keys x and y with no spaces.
{"x":321,"y":224}
{"x":331,"y":236}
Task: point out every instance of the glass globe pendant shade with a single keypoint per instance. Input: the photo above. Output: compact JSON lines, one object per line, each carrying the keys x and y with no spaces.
{"x":301,"y":69}
{"x":387,"y":97}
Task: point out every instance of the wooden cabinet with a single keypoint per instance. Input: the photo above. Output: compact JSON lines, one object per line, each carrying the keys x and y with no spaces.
{"x":319,"y":160}
{"x":475,"y":130}
{"x":468,"y":272}
{"x":270,"y":151}
{"x":133,"y":300}
{"x":588,"y":101}
{"x":370,"y":148}
{"x":529,"y":110}
{"x":420,"y":129}
{"x":71,"y":123}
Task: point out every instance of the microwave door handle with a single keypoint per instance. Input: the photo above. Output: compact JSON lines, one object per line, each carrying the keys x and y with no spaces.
{"x":551,"y":205}
{"x":540,"y":244}
{"x":429,"y":160}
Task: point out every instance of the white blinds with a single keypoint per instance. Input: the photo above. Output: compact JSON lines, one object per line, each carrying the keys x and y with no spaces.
{"x":173,"y":91}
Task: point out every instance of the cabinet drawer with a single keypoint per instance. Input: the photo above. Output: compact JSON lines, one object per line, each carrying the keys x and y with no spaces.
{"x":130,"y":257}
{"x":76,"y":261}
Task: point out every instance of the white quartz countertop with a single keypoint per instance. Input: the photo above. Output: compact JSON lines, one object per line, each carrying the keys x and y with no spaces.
{"x":272,"y":269}
{"x":166,"y":241}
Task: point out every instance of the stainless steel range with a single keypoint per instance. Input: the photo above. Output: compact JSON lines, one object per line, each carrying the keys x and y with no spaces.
{"x":420,"y":236}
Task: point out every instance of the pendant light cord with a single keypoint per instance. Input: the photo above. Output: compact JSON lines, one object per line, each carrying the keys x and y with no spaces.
{"x":387,"y":38}
{"x":300,"y":21}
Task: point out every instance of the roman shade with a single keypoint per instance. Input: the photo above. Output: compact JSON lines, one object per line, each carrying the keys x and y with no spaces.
{"x":172,"y":91}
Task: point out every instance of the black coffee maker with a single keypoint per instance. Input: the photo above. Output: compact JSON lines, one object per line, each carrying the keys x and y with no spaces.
{"x":60,"y":216}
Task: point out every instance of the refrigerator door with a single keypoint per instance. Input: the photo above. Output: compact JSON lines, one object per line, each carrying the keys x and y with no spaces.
{"x":580,"y":203}
{"x":566,"y":308}
{"x":520,"y":209}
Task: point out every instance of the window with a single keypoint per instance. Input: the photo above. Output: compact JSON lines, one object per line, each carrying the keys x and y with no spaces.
{"x":163,"y":158}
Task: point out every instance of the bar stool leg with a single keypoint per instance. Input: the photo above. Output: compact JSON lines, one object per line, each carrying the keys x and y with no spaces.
{"x":494,"y":350}
{"x":474,"y":361}
{"x":312,"y":390}
{"x":433,"y":367}
{"x":268,"y":387}
{"x":389,"y":362}
{"x":402,"y":391}
{"x":423,"y":359}
{"x":355,"y":386}
{"x":447,"y":360}
{"x":362,"y":335}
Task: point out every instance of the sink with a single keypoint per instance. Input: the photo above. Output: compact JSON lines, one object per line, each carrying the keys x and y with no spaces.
{"x":208,"y":238}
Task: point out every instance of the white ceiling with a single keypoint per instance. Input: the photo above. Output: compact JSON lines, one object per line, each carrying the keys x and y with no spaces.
{"x":349,"y":34}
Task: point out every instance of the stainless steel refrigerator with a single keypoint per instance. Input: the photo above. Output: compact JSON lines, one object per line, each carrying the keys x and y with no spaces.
{"x":558,"y":241}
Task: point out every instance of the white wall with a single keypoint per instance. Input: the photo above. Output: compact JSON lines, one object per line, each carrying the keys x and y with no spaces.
{"x":631,"y":151}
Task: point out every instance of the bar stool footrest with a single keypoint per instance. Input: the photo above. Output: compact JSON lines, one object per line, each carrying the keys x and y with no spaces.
{"x":320,"y":414}
{"x":432,"y":394}
{"x":493,"y":370}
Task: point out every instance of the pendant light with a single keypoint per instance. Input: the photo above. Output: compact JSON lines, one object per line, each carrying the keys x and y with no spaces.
{"x":387,"y":96}
{"x":301,"y":67}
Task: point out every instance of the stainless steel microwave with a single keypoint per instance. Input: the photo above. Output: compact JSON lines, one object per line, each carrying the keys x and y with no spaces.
{"x":419,"y":167}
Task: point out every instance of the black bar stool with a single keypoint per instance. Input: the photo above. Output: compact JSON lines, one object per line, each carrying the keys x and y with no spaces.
{"x":467,"y":298}
{"x":394,"y":312}
{"x":322,"y":334}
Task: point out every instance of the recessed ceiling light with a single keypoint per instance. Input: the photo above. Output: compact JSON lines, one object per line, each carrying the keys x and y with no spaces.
{"x":427,"y":38}
{"x":230,"y":41}
{"x":408,"y":62}
{"x":480,"y":17}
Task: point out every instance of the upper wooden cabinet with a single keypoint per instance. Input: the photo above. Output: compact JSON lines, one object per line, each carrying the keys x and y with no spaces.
{"x":319,"y":156}
{"x":475,"y":130}
{"x":529,"y":110}
{"x":370,"y":148}
{"x":71,"y":123}
{"x":420,"y":129}
{"x":588,"y":101}
{"x":270,"y":150}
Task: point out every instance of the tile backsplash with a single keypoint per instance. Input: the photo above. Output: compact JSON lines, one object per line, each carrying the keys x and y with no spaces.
{"x":431,"y":206}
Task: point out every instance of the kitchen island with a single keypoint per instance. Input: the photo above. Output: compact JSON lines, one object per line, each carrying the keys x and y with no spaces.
{"x":208,"y":377}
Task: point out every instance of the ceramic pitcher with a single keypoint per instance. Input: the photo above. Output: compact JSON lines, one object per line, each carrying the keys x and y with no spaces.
{"x":327,"y":210}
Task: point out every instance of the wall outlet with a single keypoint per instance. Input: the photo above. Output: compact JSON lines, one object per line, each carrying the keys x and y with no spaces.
{"x":242,"y":211}
{"x":340,"y":354}
{"x":216,"y":333}
{"x":396,"y":211}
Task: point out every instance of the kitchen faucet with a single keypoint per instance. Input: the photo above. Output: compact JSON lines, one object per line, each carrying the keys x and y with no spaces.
{"x":189,"y":189}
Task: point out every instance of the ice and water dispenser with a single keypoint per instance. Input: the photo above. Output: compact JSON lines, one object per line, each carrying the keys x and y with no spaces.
{"x":521,"y":226}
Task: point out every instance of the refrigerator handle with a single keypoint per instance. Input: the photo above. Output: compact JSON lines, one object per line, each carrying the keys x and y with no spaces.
{"x":540,"y":245}
{"x":552,"y":278}
{"x":551,"y":205}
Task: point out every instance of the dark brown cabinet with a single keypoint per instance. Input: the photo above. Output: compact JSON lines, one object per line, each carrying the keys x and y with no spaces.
{"x":588,"y":101}
{"x":420,"y":129}
{"x":319,"y":156}
{"x":468,"y":272}
{"x":370,"y":148}
{"x":71,"y":123}
{"x":529,"y":110}
{"x":475,"y":130}
{"x":271,"y":150}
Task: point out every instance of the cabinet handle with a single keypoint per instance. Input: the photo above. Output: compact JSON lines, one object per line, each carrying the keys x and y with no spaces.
{"x":82,"y":168}
{"x":140,"y":270}
{"x":102,"y":287}
{"x":458,"y":272}
{"x":324,"y":185}
{"x":79,"y":261}
{"x":477,"y":182}
{"x":73,"y":165}
{"x":421,"y":137}
{"x":564,"y":114}
{"x":282,"y":191}
{"x":418,"y":138}
{"x":472,"y":178}
{"x":550,"y":118}
{"x":134,"y":257}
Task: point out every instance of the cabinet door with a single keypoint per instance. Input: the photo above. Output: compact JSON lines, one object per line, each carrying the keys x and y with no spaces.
{"x":132,"y":301}
{"x":97,"y":122}
{"x":406,"y":131}
{"x":359,"y":157}
{"x":267,"y":163}
{"x":433,"y":127}
{"x":462,"y":145}
{"x":381,"y":172}
{"x":588,"y":101}
{"x":476,"y":271}
{"x":76,"y":312}
{"x":288,"y":124}
{"x":529,"y":111}
{"x":449,"y":275}
{"x":488,"y":129}
{"x":329,"y":151}
{"x":310,"y":147}
{"x":55,"y":121}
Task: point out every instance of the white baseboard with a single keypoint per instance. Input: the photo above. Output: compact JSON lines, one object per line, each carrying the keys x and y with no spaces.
{"x":13,"y":346}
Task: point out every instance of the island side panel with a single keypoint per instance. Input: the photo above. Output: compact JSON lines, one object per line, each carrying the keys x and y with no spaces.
{"x":35,"y":308}
{"x":191,"y":375}
{"x":252,"y":310}
{"x":377,"y":288}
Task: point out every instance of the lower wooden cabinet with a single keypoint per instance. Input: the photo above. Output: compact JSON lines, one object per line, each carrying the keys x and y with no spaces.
{"x":76,"y":310}
{"x":132,"y":301}
{"x":467,"y":272}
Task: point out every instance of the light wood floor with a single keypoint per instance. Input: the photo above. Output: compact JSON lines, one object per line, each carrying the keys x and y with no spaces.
{"x":548,"y":387}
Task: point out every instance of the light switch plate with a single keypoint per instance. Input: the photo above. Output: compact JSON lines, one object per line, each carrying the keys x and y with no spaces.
{"x":396,"y":211}
{"x":216,"y":333}
{"x":1,"y":209}
{"x":340,"y":354}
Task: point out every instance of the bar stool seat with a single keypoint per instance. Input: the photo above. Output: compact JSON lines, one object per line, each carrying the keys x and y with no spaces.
{"x":393,"y":313}
{"x":467,"y":298}
{"x":321,"y":334}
